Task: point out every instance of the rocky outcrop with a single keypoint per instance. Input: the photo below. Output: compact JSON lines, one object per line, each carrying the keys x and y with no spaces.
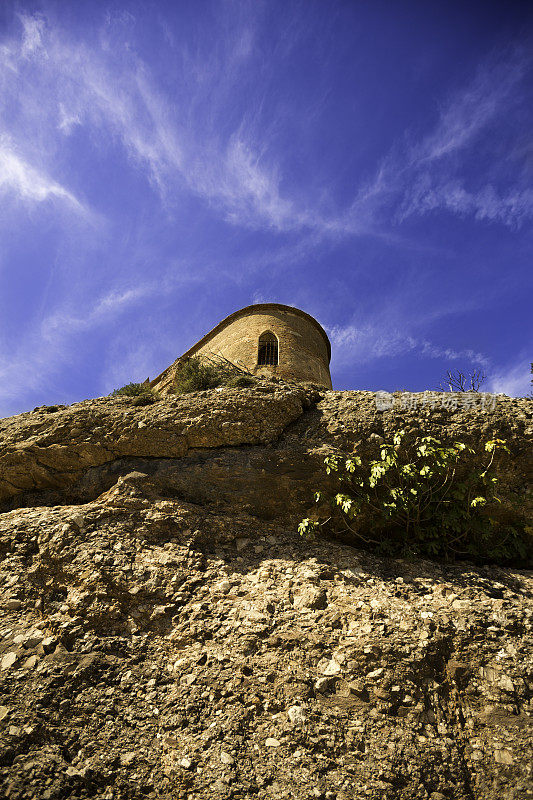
{"x":166,"y":634}
{"x":55,"y":445}
{"x":259,"y":450}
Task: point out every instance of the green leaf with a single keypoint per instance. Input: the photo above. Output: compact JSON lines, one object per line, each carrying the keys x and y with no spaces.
{"x":307,"y":526}
{"x":397,"y":438}
{"x":418,"y":489}
{"x":478,"y":501}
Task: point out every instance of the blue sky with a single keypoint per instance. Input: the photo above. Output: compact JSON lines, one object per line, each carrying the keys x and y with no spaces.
{"x":163,"y":164}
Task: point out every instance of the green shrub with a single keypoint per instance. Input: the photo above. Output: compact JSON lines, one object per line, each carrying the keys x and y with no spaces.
{"x":197,"y":374}
{"x":132,"y":390}
{"x":142,"y":393}
{"x":240,"y":381}
{"x":421,"y":497}
{"x":145,"y":399}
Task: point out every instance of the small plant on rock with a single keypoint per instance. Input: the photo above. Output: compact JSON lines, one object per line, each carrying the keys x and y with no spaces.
{"x":196,"y":374}
{"x":420,"y":497}
{"x":240,"y":381}
{"x":142,"y":393}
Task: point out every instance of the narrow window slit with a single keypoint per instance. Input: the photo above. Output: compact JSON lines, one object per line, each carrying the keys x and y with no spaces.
{"x":268,"y":350}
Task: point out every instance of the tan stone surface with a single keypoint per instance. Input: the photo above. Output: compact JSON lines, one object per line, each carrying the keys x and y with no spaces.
{"x":164,"y":650}
{"x":53,"y":448}
{"x":165,"y":633}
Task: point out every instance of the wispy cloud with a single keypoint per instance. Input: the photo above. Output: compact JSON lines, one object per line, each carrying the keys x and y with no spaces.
{"x":115,"y":91}
{"x":198,"y":143}
{"x":31,"y":365}
{"x":44,"y":350}
{"x":108,"y":307}
{"x":187,"y":143}
{"x":22,"y":180}
{"x":470,"y":110}
{"x":511,"y":209}
{"x":419,"y":177}
{"x":471,"y":357}
{"x":32,"y":34}
{"x":130,"y":359}
{"x":362,"y":344}
{"x":514,"y":379}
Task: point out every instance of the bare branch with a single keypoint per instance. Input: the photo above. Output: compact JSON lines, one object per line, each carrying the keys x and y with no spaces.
{"x":458,"y":381}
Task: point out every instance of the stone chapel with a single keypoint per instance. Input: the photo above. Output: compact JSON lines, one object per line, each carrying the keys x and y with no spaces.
{"x":266,"y":339}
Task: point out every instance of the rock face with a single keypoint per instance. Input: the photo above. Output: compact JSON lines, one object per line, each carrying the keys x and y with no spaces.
{"x":166,"y":634}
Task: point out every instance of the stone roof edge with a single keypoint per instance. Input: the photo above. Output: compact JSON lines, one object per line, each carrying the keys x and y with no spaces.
{"x":261,"y":307}
{"x":235,"y":315}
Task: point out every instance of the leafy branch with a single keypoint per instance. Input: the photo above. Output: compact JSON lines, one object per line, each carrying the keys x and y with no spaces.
{"x":420,"y":496}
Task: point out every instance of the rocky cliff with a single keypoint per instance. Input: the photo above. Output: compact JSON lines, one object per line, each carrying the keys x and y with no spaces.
{"x":165,"y":633}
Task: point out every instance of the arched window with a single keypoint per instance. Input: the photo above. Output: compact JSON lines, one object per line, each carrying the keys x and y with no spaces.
{"x":268,"y":350}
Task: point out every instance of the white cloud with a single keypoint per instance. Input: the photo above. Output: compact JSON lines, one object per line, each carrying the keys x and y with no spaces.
{"x":467,"y":355}
{"x":469,"y":111}
{"x":258,"y":298}
{"x":31,"y":366}
{"x":248,"y":190}
{"x":367,"y":342}
{"x":104,"y":90}
{"x":186,"y":141}
{"x":67,"y":121}
{"x":511,"y":209}
{"x":130,"y":361}
{"x":374,"y":340}
{"x":418,"y":178}
{"x":65,"y":323}
{"x":28,"y":183}
{"x":33,"y":28}
{"x":513,"y":380}
{"x":183,"y":142}
{"x":58,"y":85}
